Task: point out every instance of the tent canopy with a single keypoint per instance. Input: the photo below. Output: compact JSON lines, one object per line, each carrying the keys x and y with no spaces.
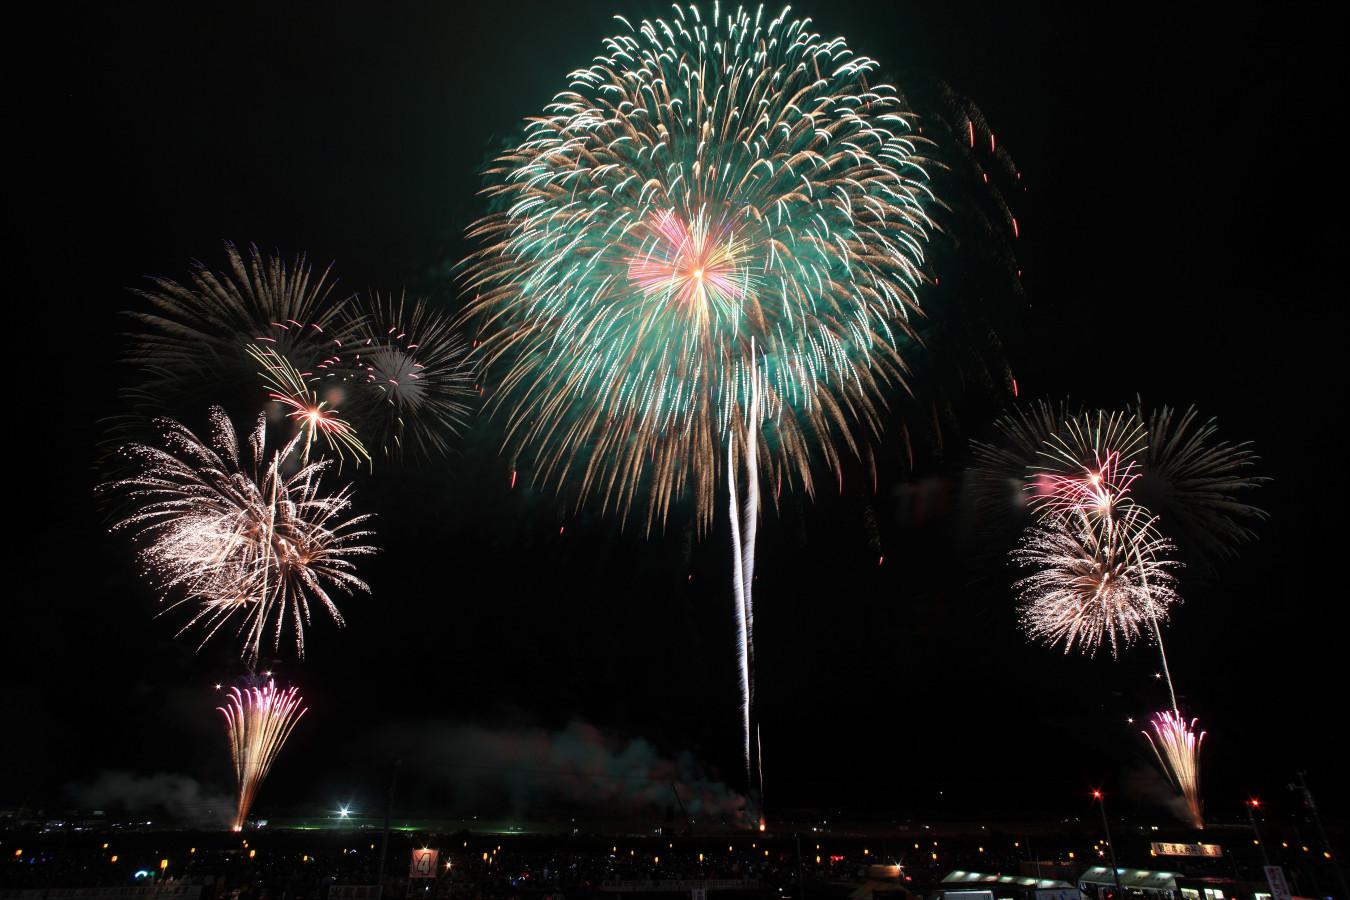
{"x":1143,"y":879}
{"x":961,"y":876}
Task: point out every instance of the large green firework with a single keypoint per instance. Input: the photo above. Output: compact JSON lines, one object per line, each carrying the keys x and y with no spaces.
{"x":716,"y":208}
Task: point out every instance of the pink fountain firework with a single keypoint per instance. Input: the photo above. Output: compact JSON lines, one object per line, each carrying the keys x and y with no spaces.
{"x":258,"y":720}
{"x":1177,"y":746}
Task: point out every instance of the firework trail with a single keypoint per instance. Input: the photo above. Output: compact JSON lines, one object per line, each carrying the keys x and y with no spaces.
{"x":258,"y":720}
{"x":1177,"y":746}
{"x":705,"y":256}
{"x":257,"y":541}
{"x":290,"y":388}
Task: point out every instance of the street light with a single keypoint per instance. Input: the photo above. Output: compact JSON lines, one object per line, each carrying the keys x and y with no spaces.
{"x":1252,"y":806}
{"x":344,"y":812}
{"x":1110,"y":844}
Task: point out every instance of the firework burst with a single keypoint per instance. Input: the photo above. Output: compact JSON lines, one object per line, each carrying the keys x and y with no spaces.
{"x":1177,"y":746}
{"x":405,"y":377}
{"x":193,"y":342}
{"x":1173,"y":463}
{"x":292,"y":391}
{"x":1198,"y":482}
{"x":256,"y":541}
{"x":705,"y":188}
{"x":1096,"y":579}
{"x":705,"y":257}
{"x":258,"y":720}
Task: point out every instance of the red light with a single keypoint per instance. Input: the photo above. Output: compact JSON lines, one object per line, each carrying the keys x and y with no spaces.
{"x":1096,"y":795}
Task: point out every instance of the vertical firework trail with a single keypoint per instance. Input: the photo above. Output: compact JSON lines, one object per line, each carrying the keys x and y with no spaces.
{"x":258,"y":720}
{"x":744,"y":517}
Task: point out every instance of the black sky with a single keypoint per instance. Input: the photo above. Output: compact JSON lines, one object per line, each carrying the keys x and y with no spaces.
{"x":1183,"y":237}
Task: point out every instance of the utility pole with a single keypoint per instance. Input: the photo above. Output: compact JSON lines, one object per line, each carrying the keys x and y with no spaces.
{"x":1302,"y":787}
{"x":1252,"y":806}
{"x":1110,"y":844}
{"x":388,"y":813}
{"x":801,"y":882}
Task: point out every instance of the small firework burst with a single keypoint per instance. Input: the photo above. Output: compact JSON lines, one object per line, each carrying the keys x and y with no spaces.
{"x":405,"y":377}
{"x":1096,"y":580}
{"x":1096,"y":489}
{"x":238,"y":539}
{"x":292,"y":390}
{"x":258,"y":721}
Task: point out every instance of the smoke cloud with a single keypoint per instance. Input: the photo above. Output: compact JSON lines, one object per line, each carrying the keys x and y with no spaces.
{"x":178,"y":798}
{"x":1154,"y":788}
{"x":533,"y":771}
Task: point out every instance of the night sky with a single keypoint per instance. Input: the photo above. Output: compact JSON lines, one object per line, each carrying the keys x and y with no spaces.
{"x":1182,"y":237}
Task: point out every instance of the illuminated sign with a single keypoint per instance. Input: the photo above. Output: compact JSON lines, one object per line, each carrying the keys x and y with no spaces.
{"x":1213,"y":851}
{"x":423,"y":863}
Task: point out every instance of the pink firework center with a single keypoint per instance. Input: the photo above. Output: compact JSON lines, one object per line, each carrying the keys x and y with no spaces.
{"x":1093,"y":490}
{"x":694,"y":263}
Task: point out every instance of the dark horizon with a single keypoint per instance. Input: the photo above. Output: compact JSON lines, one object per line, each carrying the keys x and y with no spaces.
{"x":1179,"y":238}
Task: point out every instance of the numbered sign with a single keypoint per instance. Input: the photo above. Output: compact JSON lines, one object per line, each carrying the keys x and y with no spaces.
{"x":424,"y":863}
